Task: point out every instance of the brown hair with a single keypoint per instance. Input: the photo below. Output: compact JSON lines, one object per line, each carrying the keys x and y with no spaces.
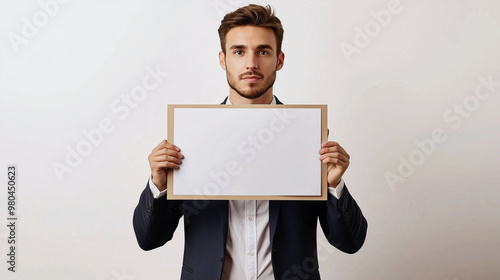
{"x":252,"y":15}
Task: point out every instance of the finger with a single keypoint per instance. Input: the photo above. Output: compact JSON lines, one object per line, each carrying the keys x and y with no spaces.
{"x":333,"y":148}
{"x":165,"y":144}
{"x":335,"y":155}
{"x":336,"y":149}
{"x":166,"y":158}
{"x":170,"y":152}
{"x":160,"y":145}
{"x":165,"y":164}
{"x":337,"y":161}
{"x":329,"y":144}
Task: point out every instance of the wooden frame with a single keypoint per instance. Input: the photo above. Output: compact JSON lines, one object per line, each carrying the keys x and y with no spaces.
{"x":182,"y":119}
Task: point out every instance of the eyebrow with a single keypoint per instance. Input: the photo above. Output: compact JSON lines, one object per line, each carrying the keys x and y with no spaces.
{"x":259,"y":47}
{"x":264,"y":47}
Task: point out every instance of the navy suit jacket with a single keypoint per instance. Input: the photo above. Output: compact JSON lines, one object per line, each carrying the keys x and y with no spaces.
{"x":292,"y":226}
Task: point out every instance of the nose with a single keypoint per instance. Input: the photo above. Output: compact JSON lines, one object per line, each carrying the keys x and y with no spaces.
{"x":251,"y":62}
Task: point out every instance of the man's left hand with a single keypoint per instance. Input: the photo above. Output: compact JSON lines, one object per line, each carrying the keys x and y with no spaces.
{"x":337,"y":161}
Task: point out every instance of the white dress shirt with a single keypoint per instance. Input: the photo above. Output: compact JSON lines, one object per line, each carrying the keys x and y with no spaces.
{"x":248,"y":245}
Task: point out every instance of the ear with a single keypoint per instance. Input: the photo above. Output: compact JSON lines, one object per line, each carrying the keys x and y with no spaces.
{"x":222,"y":60}
{"x":281,"y":61}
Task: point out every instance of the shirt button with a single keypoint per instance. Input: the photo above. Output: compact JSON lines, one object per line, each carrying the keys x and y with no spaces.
{"x":250,"y":218}
{"x":251,"y":253}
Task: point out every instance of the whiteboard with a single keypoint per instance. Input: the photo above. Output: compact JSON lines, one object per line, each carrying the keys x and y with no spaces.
{"x":248,"y":151}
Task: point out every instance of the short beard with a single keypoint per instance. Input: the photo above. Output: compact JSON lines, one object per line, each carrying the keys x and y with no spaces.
{"x":255,"y":93}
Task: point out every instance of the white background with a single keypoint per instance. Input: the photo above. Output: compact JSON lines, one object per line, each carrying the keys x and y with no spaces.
{"x":70,"y":73}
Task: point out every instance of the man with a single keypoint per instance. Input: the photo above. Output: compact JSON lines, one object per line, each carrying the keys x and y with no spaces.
{"x":250,"y":239}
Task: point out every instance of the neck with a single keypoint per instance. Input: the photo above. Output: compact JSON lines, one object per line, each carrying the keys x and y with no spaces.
{"x":237,"y":99}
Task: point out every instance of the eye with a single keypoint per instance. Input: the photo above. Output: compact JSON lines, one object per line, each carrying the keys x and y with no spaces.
{"x":263,"y":52}
{"x":237,"y":52}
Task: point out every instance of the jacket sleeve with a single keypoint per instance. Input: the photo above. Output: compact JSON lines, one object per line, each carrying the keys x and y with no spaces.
{"x":343,"y":222}
{"x":155,"y":220}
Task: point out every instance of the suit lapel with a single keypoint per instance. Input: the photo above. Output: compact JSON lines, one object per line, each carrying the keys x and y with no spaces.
{"x":224,"y":218}
{"x":274,"y":209}
{"x":278,"y":102}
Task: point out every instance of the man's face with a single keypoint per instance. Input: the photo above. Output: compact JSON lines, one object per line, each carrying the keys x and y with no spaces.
{"x":251,"y":61}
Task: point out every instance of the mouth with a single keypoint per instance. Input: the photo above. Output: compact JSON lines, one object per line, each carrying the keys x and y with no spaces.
{"x":251,"y":78}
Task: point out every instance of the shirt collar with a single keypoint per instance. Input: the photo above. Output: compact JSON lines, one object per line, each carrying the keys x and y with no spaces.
{"x":273,"y":102}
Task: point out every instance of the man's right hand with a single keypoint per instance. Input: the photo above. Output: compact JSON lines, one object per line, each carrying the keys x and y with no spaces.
{"x":165,"y":156}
